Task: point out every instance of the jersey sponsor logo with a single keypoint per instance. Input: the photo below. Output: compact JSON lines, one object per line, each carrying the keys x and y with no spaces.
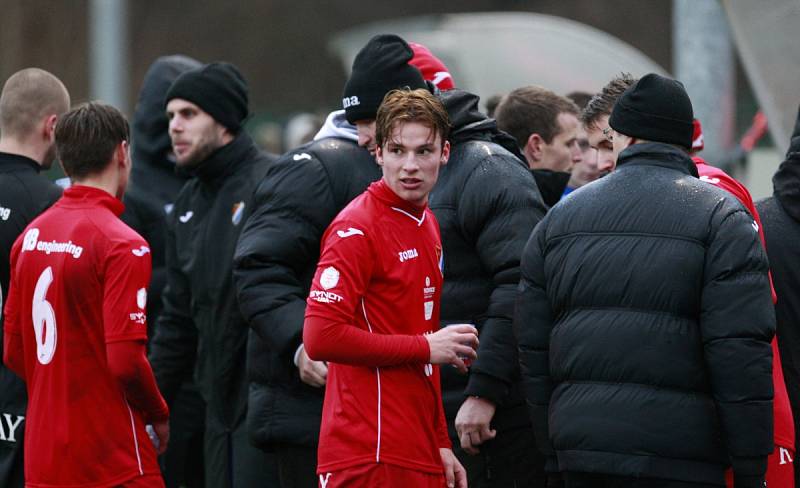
{"x":352,"y":231}
{"x":323,"y":480}
{"x":186,"y":217}
{"x":141,"y":298}
{"x":8,"y":427}
{"x":301,"y":156}
{"x":407,"y":255}
{"x":237,"y":212}
{"x":31,"y":242}
{"x":329,"y":278}
{"x":350,"y":102}
{"x":138,"y":317}
{"x":141,"y":251}
{"x":325,"y":296}
{"x":5,"y":213}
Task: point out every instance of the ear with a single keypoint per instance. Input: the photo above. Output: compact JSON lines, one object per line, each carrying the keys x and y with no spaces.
{"x":49,"y":127}
{"x":379,"y":155}
{"x":122,"y":155}
{"x":533,"y":148}
{"x":445,"y":152}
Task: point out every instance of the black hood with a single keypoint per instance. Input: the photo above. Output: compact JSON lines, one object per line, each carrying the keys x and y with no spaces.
{"x":470,"y":124}
{"x":150,"y":145}
{"x":786,"y":184}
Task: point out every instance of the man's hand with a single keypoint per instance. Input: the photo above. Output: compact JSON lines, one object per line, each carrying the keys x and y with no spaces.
{"x":450,"y":345}
{"x":472,"y":423}
{"x":454,"y":472}
{"x":161,"y":429}
{"x":314,"y":373}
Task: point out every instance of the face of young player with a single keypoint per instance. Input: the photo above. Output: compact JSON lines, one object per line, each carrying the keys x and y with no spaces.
{"x":194,"y":133}
{"x":411,"y":159}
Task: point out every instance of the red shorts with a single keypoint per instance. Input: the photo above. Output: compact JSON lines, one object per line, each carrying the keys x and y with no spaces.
{"x":780,"y":469}
{"x":380,"y":476}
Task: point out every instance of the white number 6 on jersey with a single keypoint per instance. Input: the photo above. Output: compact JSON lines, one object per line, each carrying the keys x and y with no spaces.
{"x":44,"y":319}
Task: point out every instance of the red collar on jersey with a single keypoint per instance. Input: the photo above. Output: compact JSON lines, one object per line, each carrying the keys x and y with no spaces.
{"x":88,"y":196}
{"x":385,"y":194}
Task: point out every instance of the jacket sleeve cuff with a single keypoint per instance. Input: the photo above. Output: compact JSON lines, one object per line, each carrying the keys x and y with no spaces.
{"x":485,"y":386}
{"x":749,"y":466}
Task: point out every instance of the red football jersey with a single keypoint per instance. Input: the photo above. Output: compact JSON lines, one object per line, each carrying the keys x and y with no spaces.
{"x":784,"y":423}
{"x":79,"y":280}
{"x":375,"y":294}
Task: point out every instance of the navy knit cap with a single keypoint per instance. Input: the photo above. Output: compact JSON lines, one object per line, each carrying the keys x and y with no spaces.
{"x":380,"y":66}
{"x":217,"y":88}
{"x":655,"y":109}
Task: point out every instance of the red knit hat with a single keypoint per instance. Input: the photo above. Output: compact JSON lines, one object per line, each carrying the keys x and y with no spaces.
{"x":697,"y":136}
{"x":431,"y":67}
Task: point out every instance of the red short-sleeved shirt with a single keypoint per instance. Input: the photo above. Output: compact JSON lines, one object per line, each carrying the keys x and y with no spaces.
{"x":79,"y":280}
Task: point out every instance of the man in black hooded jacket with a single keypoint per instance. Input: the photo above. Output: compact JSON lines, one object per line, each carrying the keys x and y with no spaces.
{"x":780,"y":216}
{"x":155,"y":183}
{"x":649,"y":363}
{"x":206,"y":108}
{"x":487,"y":204}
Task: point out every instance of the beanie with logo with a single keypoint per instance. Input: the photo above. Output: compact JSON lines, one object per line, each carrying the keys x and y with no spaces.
{"x":219,"y":89}
{"x":380,"y":66}
{"x":655,"y":109}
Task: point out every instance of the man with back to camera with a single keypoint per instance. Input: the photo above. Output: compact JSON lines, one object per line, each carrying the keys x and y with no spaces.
{"x":373,"y":314}
{"x":545,"y":126}
{"x":31,"y":102}
{"x":639,"y":369}
{"x":76,"y":326}
{"x":206,"y":108}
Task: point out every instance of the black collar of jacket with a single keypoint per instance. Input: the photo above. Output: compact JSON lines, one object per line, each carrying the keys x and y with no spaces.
{"x":658,"y":154}
{"x":15,"y":162}
{"x":225,"y":160}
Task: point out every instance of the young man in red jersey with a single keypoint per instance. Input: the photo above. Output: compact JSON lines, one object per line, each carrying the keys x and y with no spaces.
{"x":373,"y":313}
{"x":75,"y":326}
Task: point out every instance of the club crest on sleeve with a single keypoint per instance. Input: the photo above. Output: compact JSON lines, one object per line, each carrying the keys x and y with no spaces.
{"x":329,"y":278}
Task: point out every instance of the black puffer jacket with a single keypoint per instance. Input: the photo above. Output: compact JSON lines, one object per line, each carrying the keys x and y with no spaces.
{"x":201,"y":314}
{"x":780,"y":216}
{"x":644,"y":324}
{"x":275,"y":260}
{"x":487,"y":204}
{"x":154,"y":180}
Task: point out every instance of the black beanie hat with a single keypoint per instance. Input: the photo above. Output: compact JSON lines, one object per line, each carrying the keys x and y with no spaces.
{"x":656,"y":109}
{"x":217,"y":88}
{"x":380,"y":66}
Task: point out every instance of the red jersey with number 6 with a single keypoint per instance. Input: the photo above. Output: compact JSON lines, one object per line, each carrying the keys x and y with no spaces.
{"x":79,"y":279}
